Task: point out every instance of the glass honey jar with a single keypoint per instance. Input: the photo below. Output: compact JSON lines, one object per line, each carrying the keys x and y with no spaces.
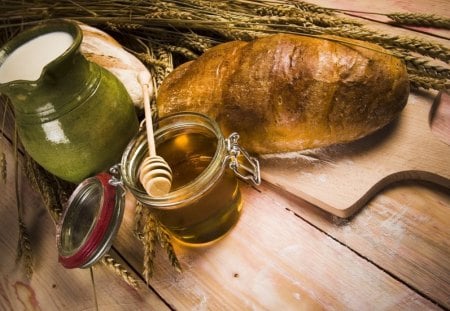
{"x":204,"y":202}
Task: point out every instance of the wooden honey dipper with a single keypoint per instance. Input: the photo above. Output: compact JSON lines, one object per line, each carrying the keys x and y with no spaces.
{"x":155,"y":174}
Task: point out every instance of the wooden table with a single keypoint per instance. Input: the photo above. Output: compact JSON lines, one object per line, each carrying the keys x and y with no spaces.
{"x":284,"y":254}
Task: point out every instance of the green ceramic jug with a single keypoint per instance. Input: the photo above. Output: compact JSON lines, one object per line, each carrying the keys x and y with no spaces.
{"x":74,"y":117}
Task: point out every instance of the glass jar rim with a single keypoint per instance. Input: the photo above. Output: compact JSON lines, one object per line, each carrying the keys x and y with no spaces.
{"x":193,"y":189}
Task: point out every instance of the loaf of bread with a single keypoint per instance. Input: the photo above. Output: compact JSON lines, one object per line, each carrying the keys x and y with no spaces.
{"x":286,"y":93}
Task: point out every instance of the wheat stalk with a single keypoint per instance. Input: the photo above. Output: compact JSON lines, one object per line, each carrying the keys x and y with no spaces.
{"x":150,"y":60}
{"x":149,"y":240}
{"x":213,"y":9}
{"x":3,"y":163}
{"x":296,"y":15}
{"x":164,"y":240}
{"x":159,"y":13}
{"x":23,"y":243}
{"x":151,"y":232}
{"x":165,"y":57}
{"x":197,"y":42}
{"x":424,"y":20}
{"x":423,"y":67}
{"x":118,"y":269}
{"x":138,"y":219}
{"x":427,"y":83}
{"x":44,"y":183}
{"x":186,"y":52}
{"x":417,"y":45}
{"x":24,"y":249}
{"x":404,"y":19}
{"x":160,"y":69}
{"x":3,"y":166}
{"x":306,"y":6}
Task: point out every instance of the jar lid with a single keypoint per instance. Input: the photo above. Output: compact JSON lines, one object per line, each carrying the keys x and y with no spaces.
{"x":90,"y":221}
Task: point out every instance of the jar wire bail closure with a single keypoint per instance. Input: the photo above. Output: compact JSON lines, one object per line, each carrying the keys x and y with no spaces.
{"x":243,"y":171}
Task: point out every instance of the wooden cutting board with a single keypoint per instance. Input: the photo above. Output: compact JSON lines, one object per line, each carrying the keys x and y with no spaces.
{"x":341,"y":179}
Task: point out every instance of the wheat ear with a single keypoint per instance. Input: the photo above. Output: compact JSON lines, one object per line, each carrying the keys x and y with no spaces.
{"x":164,"y":240}
{"x":417,"y":19}
{"x":3,"y":163}
{"x":424,"y":47}
{"x":23,"y":244}
{"x":149,"y":240}
{"x":41,"y":181}
{"x":109,"y":262}
{"x":428,"y":82}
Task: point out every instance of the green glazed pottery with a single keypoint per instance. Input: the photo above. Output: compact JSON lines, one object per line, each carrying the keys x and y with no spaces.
{"x":75,"y":118}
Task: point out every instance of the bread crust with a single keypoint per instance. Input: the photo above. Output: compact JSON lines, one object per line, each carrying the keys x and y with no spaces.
{"x":286,"y":92}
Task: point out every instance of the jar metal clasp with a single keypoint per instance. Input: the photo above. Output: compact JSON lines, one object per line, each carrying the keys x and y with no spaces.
{"x":248,"y":167}
{"x":116,"y":179}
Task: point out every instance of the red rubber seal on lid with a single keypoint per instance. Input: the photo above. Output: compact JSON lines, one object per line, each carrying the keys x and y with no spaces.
{"x":86,"y":250}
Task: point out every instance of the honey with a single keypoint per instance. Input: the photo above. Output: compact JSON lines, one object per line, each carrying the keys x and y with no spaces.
{"x":214,"y":213}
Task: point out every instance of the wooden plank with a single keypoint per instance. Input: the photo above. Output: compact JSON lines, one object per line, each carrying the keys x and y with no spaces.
{"x":52,"y":287}
{"x":271,"y":260}
{"x":404,"y":230}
